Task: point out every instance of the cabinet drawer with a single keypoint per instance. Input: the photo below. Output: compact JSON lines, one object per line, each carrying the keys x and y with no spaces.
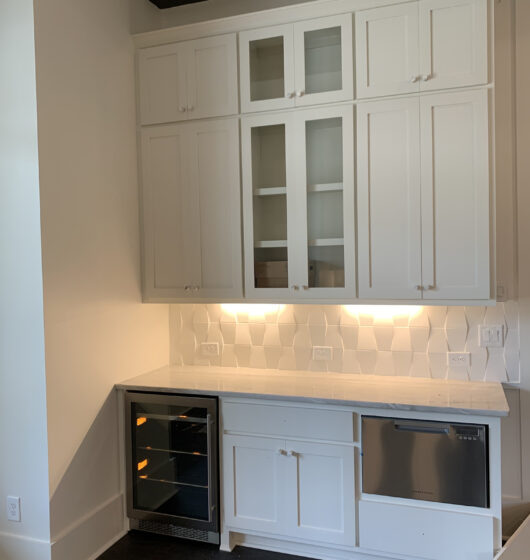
{"x":425,"y":533}
{"x":270,"y":419}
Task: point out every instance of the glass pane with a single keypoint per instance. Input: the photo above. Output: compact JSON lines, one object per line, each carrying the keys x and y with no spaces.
{"x":325,"y":227}
{"x":269,"y":206}
{"x":266,"y":69}
{"x":323,"y":60}
{"x":170,"y":459}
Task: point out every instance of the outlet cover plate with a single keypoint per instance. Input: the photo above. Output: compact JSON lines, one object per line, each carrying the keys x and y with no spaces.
{"x":459,"y":359}
{"x":209,"y":349}
{"x":491,"y":336}
{"x":13,"y":508}
{"x":321,"y":353}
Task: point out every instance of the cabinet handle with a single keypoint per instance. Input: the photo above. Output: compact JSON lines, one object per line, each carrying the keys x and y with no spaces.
{"x":190,"y":107}
{"x":414,"y":79}
{"x":281,"y":452}
{"x":182,"y":109}
{"x":426,"y":77}
{"x":305,"y":287}
{"x":187,"y":288}
{"x":295,"y":287}
{"x":299,"y":93}
{"x":418,"y":287}
{"x":292,"y":453}
{"x":429,"y":287}
{"x":289,"y":94}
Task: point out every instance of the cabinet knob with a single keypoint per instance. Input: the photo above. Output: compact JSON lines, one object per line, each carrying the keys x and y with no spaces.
{"x":299,"y":93}
{"x":414,"y":79}
{"x":429,"y":287}
{"x":182,"y":109}
{"x":418,"y":287}
{"x":426,"y":77}
{"x":295,"y":287}
{"x":289,"y":94}
{"x":187,"y":288}
{"x":292,"y":453}
{"x":190,"y":107}
{"x":305,"y":287}
{"x":281,"y":452}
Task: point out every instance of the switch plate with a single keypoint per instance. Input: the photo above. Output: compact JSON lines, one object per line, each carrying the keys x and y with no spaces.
{"x":13,"y":508}
{"x":209,"y":349}
{"x":321,"y":353}
{"x":458,"y":359}
{"x":491,"y":336}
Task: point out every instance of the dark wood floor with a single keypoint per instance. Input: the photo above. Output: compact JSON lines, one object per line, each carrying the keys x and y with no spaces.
{"x":145,"y":546}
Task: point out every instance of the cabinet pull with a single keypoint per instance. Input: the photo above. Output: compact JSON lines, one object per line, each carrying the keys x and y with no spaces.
{"x":305,"y":287}
{"x":418,"y":287}
{"x":281,"y":452}
{"x":190,"y":107}
{"x":292,"y":453}
{"x":426,"y":77}
{"x":429,"y":287}
{"x":182,"y":109}
{"x":295,"y":288}
{"x":414,"y":79}
{"x":289,"y":94}
{"x":187,"y":288}
{"x":300,"y":93}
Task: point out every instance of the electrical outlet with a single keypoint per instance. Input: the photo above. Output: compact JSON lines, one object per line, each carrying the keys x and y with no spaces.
{"x":458,"y":359}
{"x":13,"y":508}
{"x":209,"y":349}
{"x":322,"y":353}
{"x":491,"y":336}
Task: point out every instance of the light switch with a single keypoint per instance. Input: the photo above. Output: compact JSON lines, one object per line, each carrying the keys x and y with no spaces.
{"x":209,"y":349}
{"x":491,"y":336}
{"x":322,"y":353}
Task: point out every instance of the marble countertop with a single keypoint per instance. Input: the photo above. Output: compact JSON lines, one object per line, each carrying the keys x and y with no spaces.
{"x":398,"y":393}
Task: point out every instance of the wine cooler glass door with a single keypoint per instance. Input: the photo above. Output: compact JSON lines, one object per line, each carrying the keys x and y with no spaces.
{"x":172,"y":460}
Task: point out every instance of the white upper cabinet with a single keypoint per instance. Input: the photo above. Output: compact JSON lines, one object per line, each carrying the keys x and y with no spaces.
{"x":387,"y":50}
{"x":424,"y":46}
{"x":298,"y":204}
{"x":191,"y":248}
{"x":447,"y":255}
{"x":389,"y":199}
{"x":189,"y":80}
{"x":307,"y":63}
{"x":455,"y":189}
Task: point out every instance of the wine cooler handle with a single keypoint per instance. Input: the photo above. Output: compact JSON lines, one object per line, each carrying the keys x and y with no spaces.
{"x":210,"y":458}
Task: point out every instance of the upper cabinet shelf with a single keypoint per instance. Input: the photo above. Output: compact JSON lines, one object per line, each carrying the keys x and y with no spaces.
{"x":306,"y":63}
{"x":424,"y":46}
{"x":188,"y":80}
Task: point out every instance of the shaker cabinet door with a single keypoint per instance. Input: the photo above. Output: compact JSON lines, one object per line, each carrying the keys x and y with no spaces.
{"x":455,"y":193}
{"x":389,"y":199}
{"x":387,"y":50}
{"x":162,"y":84}
{"x":453,"y":43}
{"x":212,"y":77}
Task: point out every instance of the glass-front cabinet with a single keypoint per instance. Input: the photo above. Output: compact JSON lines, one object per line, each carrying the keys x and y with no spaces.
{"x":299,"y":208}
{"x":172,"y":462}
{"x":307,"y":63}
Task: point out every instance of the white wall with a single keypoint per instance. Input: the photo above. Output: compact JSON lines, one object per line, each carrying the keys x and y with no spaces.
{"x":96,"y":328}
{"x":144,"y":20}
{"x":23,"y":440}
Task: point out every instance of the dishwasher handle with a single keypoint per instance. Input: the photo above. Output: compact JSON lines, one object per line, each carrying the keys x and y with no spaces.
{"x":423,"y":427}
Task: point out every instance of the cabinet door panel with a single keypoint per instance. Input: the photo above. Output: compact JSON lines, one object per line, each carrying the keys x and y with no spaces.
{"x":321,"y":492}
{"x":269,"y":204}
{"x":325,"y":232}
{"x":214,"y":172}
{"x":266,"y":67}
{"x":323,"y":60}
{"x":212,"y":77}
{"x":388,"y":176}
{"x":453,"y":43}
{"x":162,"y":83}
{"x":254,"y":480}
{"x":387,"y":50}
{"x":455,"y":195}
{"x":170,"y":213}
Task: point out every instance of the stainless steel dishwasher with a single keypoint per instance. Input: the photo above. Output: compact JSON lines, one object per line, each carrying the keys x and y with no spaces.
{"x":424,"y":460}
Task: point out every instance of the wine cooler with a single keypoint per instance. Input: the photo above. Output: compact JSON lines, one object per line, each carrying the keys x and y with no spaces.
{"x":172,"y":465}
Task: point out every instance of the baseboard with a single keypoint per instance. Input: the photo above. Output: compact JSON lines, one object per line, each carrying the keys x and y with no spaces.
{"x":89,"y":536}
{"x":15,"y":547}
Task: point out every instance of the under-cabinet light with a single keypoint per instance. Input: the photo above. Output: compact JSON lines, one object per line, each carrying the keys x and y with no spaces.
{"x":383,"y":311}
{"x":252,"y":309}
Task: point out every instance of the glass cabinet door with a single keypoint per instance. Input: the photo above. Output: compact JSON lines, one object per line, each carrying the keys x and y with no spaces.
{"x":323,"y":60}
{"x":170,"y":457}
{"x":268,"y":203}
{"x":327,"y":184}
{"x":267,"y":68}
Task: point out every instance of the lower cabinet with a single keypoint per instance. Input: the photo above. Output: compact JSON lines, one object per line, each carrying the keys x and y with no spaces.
{"x":290,"y":488}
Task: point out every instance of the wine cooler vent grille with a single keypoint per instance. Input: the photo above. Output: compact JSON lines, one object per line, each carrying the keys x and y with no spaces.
{"x":173,"y":530}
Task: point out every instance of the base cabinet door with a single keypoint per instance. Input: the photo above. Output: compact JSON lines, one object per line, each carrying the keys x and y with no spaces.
{"x":254,"y":483}
{"x":321,"y":492}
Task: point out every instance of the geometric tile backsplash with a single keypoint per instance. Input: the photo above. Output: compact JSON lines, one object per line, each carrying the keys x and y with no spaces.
{"x":380,"y":340}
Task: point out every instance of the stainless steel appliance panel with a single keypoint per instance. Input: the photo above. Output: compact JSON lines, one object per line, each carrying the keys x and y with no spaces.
{"x":424,"y":460}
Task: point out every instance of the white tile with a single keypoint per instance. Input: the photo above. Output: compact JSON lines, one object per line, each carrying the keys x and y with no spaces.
{"x":229,"y":332}
{"x":242,"y":317}
{"x":366,"y":319}
{"x":459,"y":373}
{"x":401,"y":342}
{"x":495,"y":368}
{"x":336,"y":363}
{"x":333,"y":337}
{"x":367,"y":359}
{"x":215,"y":334}
{"x":438,"y":365}
{"x":456,"y":339}
{"x":511,"y":314}
{"x":474,"y":315}
{"x":318,"y":334}
{"x":175,"y":319}
{"x":287,"y":359}
{"x":186,"y":312}
{"x":420,"y":318}
{"x":495,"y":315}
{"x":512,"y":356}
{"x":302,"y":357}
{"x":479,"y":358}
{"x":272,"y":356}
{"x":333,"y":314}
{"x":383,"y":337}
{"x":384,"y":364}
{"x":286,"y":333}
{"x":350,"y":336}
{"x":456,"y":318}
{"x":257,"y":357}
{"x":201,"y":331}
{"x":419,"y":338}
{"x":437,"y":315}
{"x":286,"y":315}
{"x":242,"y":352}
{"x":316,"y":316}
{"x":437,"y":341}
{"x":243,"y":334}
{"x":215,"y":312}
{"x":420,"y":366}
{"x":302,"y":338}
{"x":317,"y":365}
{"x":228,"y":357}
{"x":257,"y":332}
{"x":301,"y":313}
{"x":272,"y":335}
{"x":366,"y":339}
{"x":350,"y":362}
{"x":349,"y":316}
{"x":402,"y":363}
{"x":200,"y":315}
